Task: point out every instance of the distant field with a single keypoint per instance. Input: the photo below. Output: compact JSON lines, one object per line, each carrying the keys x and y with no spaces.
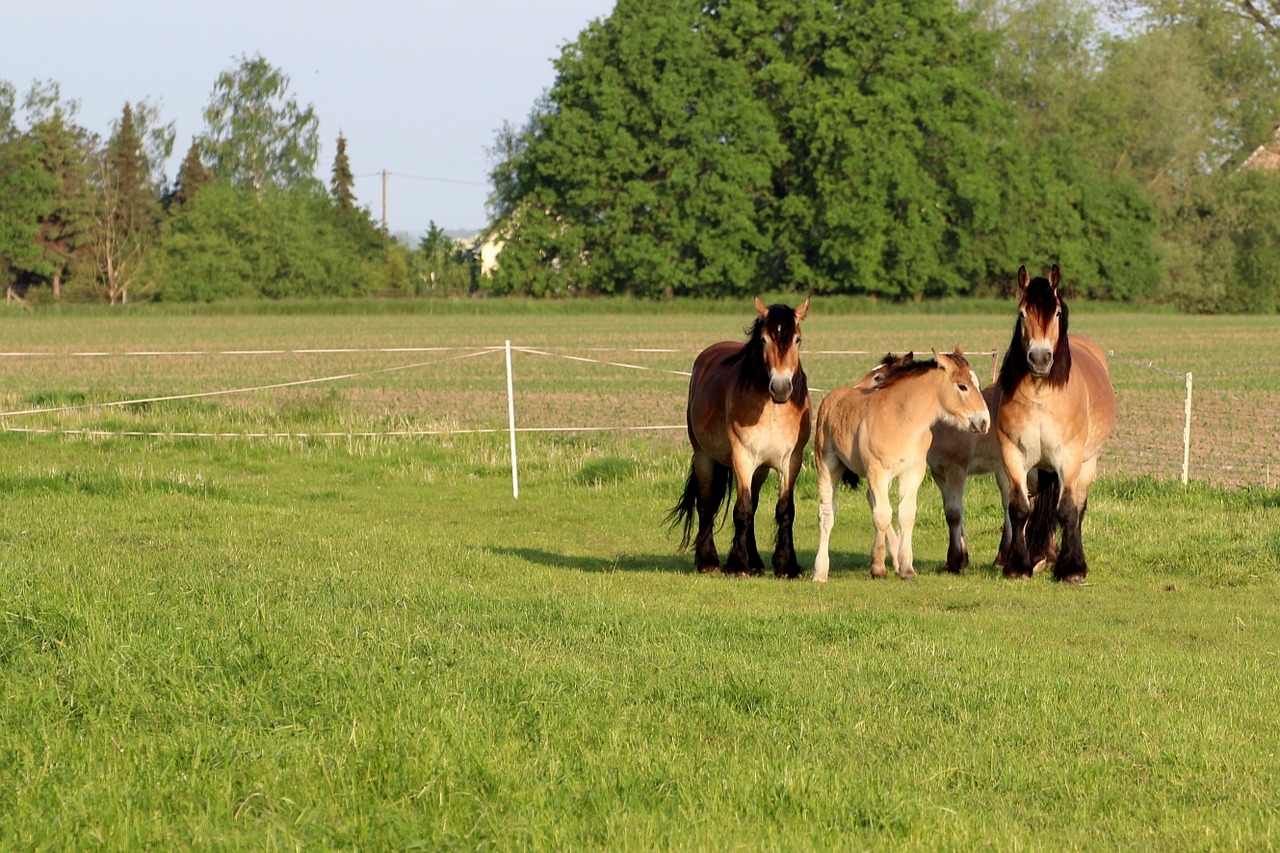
{"x":367,"y":642}
{"x":1236,"y":403}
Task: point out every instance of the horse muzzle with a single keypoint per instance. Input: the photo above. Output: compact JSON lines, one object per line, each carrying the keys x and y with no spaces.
{"x":780,"y":388}
{"x":980,"y":423}
{"x":1039,"y":361}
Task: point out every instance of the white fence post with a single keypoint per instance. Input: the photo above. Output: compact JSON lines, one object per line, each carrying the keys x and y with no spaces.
{"x":1186,"y":432}
{"x":511,"y":419}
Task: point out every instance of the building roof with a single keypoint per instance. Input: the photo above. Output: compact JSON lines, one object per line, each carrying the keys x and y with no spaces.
{"x":1267,"y":155}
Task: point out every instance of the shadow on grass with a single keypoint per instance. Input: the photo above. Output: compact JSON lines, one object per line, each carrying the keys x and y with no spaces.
{"x":674,"y":562}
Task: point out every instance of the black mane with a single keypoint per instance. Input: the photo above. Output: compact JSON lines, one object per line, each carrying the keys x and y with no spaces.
{"x":1042,"y":299}
{"x":752,"y":372}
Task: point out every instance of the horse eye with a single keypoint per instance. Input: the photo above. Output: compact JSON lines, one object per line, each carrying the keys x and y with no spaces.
{"x":964,"y":389}
{"x":798,"y":340}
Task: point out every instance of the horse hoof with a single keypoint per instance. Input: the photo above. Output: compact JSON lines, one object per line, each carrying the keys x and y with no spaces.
{"x":709,"y":570}
{"x":879,"y":573}
{"x":1014,"y":574}
{"x":909,"y":575}
{"x":1073,"y":579}
{"x":1039,"y":567}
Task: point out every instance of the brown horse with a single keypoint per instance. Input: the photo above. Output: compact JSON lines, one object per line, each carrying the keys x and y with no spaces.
{"x":882,"y":430}
{"x":954,"y":457}
{"x":1057,"y":408}
{"x":748,"y":411}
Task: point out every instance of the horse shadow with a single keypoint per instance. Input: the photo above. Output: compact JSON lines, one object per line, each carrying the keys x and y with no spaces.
{"x":669,"y":563}
{"x":852,"y":563}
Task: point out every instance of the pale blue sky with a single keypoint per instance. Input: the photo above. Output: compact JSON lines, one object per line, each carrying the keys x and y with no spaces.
{"x":418,"y":88}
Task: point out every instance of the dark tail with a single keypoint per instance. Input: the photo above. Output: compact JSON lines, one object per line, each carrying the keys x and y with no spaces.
{"x":682,"y":515}
{"x":850,"y":479}
{"x":1043,"y":523}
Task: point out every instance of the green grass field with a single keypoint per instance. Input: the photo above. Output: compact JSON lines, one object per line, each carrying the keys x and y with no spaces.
{"x":367,"y":642}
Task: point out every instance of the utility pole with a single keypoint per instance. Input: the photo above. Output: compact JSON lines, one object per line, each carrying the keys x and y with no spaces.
{"x":384,"y":202}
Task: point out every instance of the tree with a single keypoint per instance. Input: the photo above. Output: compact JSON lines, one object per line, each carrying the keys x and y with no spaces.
{"x":126,"y":217}
{"x":26,"y":193}
{"x":256,"y":134}
{"x":65,"y":153}
{"x":341,"y":187}
{"x":440,"y":264}
{"x":192,"y":175}
{"x":717,"y":148}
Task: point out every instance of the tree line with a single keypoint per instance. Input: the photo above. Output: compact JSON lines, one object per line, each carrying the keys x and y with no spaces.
{"x":723,"y":147}
{"x":91,"y":219}
{"x":904,"y":151}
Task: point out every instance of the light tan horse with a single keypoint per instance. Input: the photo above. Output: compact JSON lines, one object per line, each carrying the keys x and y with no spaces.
{"x":1057,"y":408}
{"x":749,"y":411}
{"x":882,"y":431}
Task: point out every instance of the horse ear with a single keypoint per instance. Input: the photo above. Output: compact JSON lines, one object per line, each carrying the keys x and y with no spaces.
{"x":1054,"y":277}
{"x":936,"y":357}
{"x":957,"y":350}
{"x":761,"y":309}
{"x":1023,"y":278}
{"x":803,"y":309}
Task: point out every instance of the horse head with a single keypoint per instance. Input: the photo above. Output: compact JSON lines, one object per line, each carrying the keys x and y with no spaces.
{"x":963,"y":401}
{"x":778,"y":328}
{"x":1042,"y":319}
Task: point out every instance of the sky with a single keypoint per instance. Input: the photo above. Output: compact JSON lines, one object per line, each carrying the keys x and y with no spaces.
{"x":417,"y":87}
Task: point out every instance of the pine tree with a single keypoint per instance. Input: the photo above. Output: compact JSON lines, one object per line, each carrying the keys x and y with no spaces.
{"x":192,"y":175}
{"x":127,"y":215}
{"x":341,"y":186}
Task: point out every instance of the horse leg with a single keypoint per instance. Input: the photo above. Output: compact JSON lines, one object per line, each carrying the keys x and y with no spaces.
{"x":713,"y":481}
{"x":951,"y":481}
{"x":738,"y":563}
{"x":908,"y":490}
{"x":1071,"y":566}
{"x":1019,"y":562}
{"x":882,"y":519}
{"x":830,"y":470}
{"x":753,"y":554}
{"x":785,"y":564}
{"x":1006,"y":533}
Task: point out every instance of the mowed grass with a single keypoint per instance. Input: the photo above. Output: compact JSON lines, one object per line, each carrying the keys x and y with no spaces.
{"x":368,"y":642}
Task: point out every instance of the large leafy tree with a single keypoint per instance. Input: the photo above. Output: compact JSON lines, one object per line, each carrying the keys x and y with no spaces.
{"x":26,"y":193}
{"x":698,"y":147}
{"x":65,"y":152}
{"x":1197,"y":88}
{"x":256,"y":133}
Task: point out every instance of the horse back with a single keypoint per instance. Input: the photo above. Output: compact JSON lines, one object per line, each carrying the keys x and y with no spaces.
{"x":1090,"y":371}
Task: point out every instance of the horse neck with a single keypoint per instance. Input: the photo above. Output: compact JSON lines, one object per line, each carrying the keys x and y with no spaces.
{"x":917,"y":400}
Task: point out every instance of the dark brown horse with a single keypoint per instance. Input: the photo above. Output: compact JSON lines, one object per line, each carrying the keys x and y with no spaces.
{"x":749,"y":411}
{"x":1057,"y":408}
